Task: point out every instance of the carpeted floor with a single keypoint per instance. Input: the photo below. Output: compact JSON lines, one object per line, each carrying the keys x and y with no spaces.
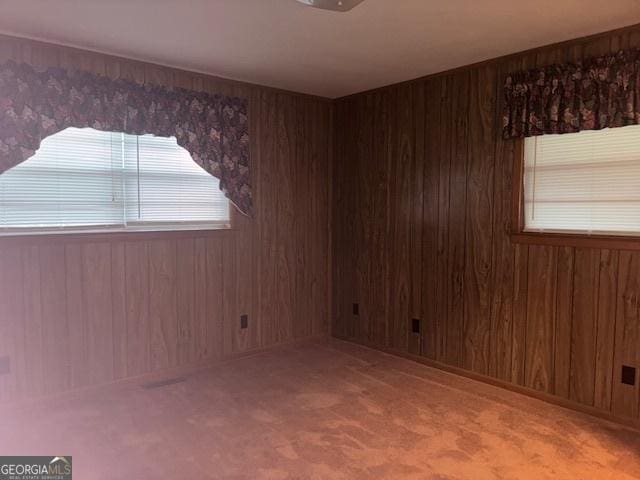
{"x":319,"y":411}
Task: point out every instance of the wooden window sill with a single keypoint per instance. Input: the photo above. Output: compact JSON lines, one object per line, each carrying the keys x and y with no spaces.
{"x":613,"y":242}
{"x":106,"y":236}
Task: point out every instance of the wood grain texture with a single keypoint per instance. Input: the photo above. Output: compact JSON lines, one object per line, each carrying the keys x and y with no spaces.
{"x":541,"y":318}
{"x":586,"y":285}
{"x":478,"y":222}
{"x":605,"y":347}
{"x":416,"y":199}
{"x":559,"y":318}
{"x":84,"y":310}
{"x":401,"y":175}
{"x":432,"y":323}
{"x":458,"y":123}
{"x":442,"y":149}
{"x":625,"y":397}
{"x":568,"y":291}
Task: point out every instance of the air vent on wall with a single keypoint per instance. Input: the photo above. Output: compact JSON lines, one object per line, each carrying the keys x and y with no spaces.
{"x":163,"y":383}
{"x":335,"y":5}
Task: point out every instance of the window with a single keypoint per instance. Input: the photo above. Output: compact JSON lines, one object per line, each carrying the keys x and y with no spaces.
{"x":586,"y":182}
{"x":88,"y":180}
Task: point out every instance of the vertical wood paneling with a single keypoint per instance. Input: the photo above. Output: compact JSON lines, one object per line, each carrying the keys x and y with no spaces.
{"x":625,"y":397}
{"x":416,"y":223}
{"x":584,"y":326}
{"x":76,"y":316}
{"x":459,"y":103}
{"x":98,"y":314}
{"x":267,"y":221}
{"x":286,"y":153}
{"x":301,"y":326}
{"x":78,"y":312}
{"x":607,"y":295}
{"x":503,"y":251}
{"x":401,"y":174}
{"x":231,"y":328}
{"x":12,"y":314}
{"x":345,"y":246}
{"x":375,"y":215}
{"x":521,"y":284}
{"x":478,"y":222}
{"x":119,"y":309}
{"x":186,"y":300}
{"x":137,"y":308}
{"x":559,"y":320}
{"x":31,"y":343}
{"x":365,"y":323}
{"x":519,"y":331}
{"x":566,"y":291}
{"x":339,"y":240}
{"x":243,"y":284}
{"x":432,"y":322}
{"x":55,"y":327}
{"x":443,"y":148}
{"x":319,"y":241}
{"x":215,"y":304}
{"x":163,"y":321}
{"x":541,"y":317}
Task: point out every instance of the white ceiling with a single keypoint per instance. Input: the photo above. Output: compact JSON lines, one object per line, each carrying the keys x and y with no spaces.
{"x":282,"y":43}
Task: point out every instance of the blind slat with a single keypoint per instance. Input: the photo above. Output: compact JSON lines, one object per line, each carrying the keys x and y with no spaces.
{"x":89,"y":178}
{"x":583,"y":182}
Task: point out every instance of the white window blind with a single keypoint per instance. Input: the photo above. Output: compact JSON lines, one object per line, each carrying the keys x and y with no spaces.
{"x":586,"y":182}
{"x":84,"y":179}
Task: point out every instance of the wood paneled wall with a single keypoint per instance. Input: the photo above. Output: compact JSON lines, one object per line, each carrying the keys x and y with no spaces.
{"x":422,"y":198}
{"x":84,"y":311}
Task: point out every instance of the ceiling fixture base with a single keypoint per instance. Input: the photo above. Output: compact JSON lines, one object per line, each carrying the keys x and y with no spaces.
{"x":335,"y":5}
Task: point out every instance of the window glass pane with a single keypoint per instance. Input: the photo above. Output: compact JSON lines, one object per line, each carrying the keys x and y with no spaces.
{"x":84,"y":178}
{"x":583,"y":182}
{"x":170,"y":186}
{"x":74,"y":179}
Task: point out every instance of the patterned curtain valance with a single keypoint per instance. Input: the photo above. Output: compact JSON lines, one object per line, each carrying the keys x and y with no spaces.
{"x":214,"y":129}
{"x":594,"y":94}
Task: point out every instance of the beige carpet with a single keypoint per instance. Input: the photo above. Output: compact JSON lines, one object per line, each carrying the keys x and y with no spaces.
{"x":317,"y":411}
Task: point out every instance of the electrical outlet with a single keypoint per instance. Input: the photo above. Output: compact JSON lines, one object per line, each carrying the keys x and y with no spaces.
{"x":244,"y":321}
{"x":356,"y":309}
{"x":628,"y":375}
{"x":415,"y":325}
{"x":5,"y":365}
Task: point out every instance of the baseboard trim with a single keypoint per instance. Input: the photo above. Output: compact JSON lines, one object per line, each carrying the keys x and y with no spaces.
{"x":529,"y":392}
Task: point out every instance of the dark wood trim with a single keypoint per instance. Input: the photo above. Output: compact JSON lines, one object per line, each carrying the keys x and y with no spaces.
{"x":517,"y":218}
{"x":631,"y":423}
{"x":577,"y":240}
{"x":97,"y":237}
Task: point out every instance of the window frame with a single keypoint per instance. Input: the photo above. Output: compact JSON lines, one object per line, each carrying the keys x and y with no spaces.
{"x":98,"y":236}
{"x":112,"y":232}
{"x":519,"y":235}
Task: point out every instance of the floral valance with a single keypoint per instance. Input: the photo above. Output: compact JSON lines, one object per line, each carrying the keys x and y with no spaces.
{"x":214,"y":129}
{"x":594,"y":94}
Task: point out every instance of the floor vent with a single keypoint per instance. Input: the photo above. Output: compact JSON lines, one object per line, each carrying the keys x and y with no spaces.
{"x":163,"y":383}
